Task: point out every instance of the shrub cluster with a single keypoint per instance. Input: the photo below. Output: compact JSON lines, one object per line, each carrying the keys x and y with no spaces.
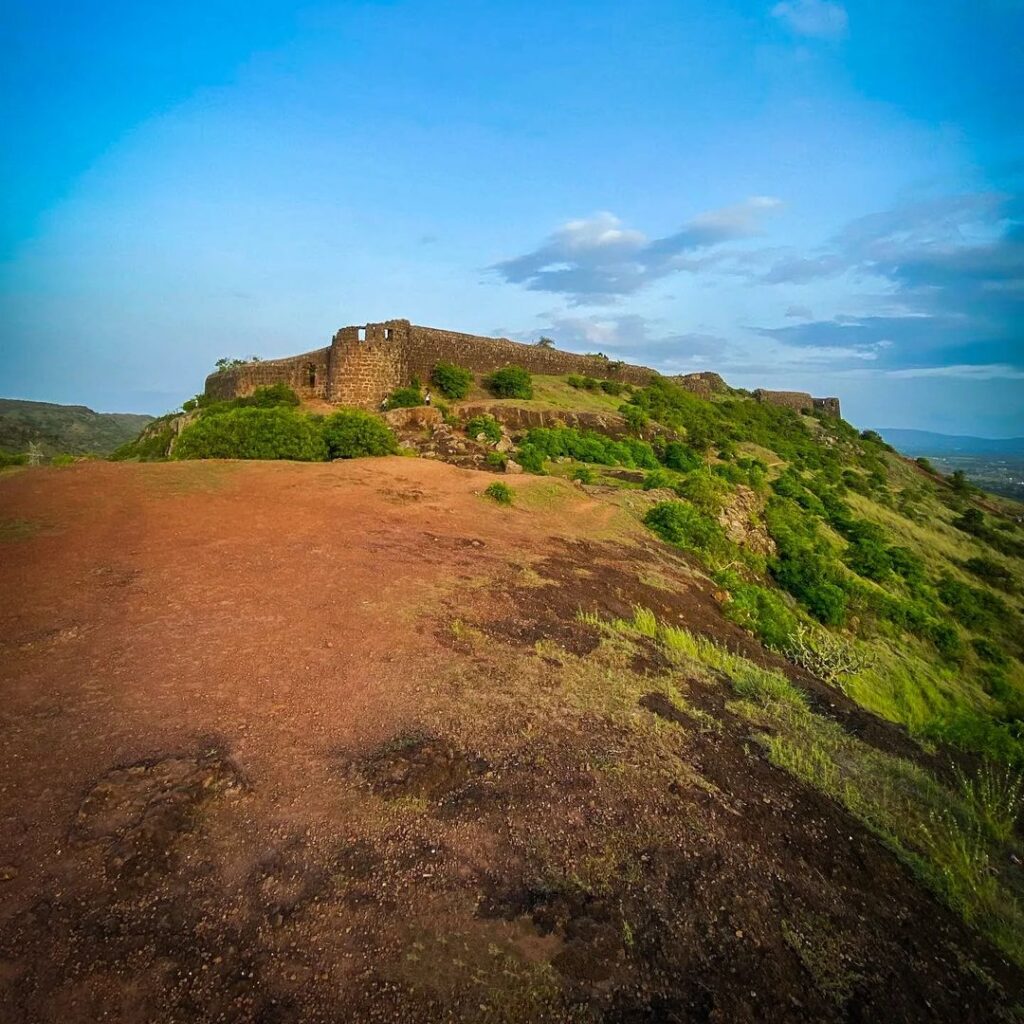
{"x":806,"y":564}
{"x":680,"y":457}
{"x":452,"y":381}
{"x":687,"y":527}
{"x":636,"y":419}
{"x":543,"y":443}
{"x":993,"y":573}
{"x":281,"y":432}
{"x":499,"y":492}
{"x":405,"y":398}
{"x":351,"y":434}
{"x":12,"y":459}
{"x":609,"y":387}
{"x":971,"y":606}
{"x":759,"y":609}
{"x":486,"y":425}
{"x":973,"y":521}
{"x":253,"y":433}
{"x":704,"y":490}
{"x":510,"y":382}
{"x":657,"y":479}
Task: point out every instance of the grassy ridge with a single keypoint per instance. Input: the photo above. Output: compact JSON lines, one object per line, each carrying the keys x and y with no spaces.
{"x":71,"y":429}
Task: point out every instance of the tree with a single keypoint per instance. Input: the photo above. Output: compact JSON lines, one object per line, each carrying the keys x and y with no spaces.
{"x":958,"y":481}
{"x":545,"y":342}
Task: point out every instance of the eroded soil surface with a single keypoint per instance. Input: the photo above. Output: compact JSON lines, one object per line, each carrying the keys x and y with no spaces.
{"x":330,"y":743}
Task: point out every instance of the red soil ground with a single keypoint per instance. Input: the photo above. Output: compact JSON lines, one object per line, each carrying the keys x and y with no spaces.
{"x":246,"y":772}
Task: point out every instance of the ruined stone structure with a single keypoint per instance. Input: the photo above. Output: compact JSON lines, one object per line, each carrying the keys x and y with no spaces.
{"x":706,"y":383}
{"x":801,"y":401}
{"x":364,"y":364}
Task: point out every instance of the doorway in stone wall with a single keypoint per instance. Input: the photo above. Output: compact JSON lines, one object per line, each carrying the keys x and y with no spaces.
{"x":311,"y":375}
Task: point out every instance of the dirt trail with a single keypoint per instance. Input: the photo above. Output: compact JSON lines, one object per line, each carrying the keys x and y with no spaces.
{"x":251,"y":771}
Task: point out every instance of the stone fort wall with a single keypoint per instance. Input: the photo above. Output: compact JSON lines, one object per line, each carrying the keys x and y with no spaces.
{"x":364,"y":364}
{"x":801,"y":401}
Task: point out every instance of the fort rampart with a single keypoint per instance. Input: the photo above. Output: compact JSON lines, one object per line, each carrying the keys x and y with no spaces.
{"x":364,"y":364}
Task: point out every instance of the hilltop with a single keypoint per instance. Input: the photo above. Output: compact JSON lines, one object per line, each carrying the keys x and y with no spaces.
{"x":64,"y":429}
{"x":592,"y":702}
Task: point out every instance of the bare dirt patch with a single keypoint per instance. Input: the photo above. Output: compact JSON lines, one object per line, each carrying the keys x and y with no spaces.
{"x":491,"y":851}
{"x":419,"y":766}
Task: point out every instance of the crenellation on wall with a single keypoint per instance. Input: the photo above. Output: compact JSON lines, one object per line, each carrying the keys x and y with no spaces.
{"x":365,"y":363}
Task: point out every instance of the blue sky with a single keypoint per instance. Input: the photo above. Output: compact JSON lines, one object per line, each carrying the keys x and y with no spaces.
{"x":803,"y":194}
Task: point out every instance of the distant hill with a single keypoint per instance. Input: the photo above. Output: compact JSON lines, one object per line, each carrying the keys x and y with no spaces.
{"x":926,"y":442}
{"x":74,"y":429}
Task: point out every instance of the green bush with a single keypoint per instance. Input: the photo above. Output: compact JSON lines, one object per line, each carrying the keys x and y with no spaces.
{"x":763,"y":612}
{"x":907,"y":564}
{"x":869,"y":558}
{"x":351,"y":434}
{"x":805,"y":565}
{"x":686,"y":526}
{"x":730,"y":472}
{"x":452,"y":381}
{"x":680,"y":457}
{"x":253,"y":433}
{"x":501,"y":493}
{"x":63,"y":459}
{"x":531,"y":458}
{"x":612,"y":387}
{"x":991,"y":572}
{"x":510,"y":382}
{"x":986,"y":650}
{"x":486,"y":425}
{"x":945,"y":638}
{"x":811,"y":579}
{"x":405,"y":398}
{"x":589,"y":446}
{"x":12,"y":459}
{"x":496,"y":460}
{"x":656,"y":479}
{"x":971,"y":606}
{"x":959,"y":482}
{"x":574,"y":380}
{"x":705,"y":491}
{"x":584,"y":474}
{"x":271,"y":396}
{"x":636,"y":419}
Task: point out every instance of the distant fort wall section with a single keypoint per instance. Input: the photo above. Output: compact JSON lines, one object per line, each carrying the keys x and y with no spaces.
{"x":801,"y":401}
{"x":364,"y":364}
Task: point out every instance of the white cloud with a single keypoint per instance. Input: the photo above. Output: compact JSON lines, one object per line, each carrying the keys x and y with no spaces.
{"x":963,"y":371}
{"x":821,"y":19}
{"x":596,"y":259}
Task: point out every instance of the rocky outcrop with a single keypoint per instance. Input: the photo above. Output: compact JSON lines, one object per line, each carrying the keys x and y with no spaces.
{"x":742,"y":523}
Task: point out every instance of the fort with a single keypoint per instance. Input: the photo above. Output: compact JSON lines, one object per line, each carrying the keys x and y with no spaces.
{"x":364,"y":364}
